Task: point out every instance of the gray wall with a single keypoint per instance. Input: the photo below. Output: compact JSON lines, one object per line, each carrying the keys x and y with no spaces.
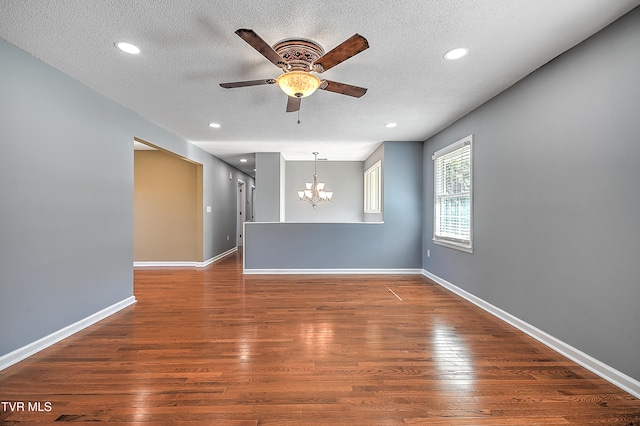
{"x":556,"y":202}
{"x":66,"y":209}
{"x":270,"y":172}
{"x":394,"y":244}
{"x":66,"y":191}
{"x":344,"y":178}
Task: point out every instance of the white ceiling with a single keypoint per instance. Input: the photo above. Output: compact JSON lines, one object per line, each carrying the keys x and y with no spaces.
{"x":189,"y":47}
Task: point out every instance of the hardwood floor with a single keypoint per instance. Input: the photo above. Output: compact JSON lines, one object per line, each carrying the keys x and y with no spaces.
{"x":214,"y":347}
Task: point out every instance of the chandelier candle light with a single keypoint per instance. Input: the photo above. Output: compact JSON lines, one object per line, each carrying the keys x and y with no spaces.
{"x":314,"y":193}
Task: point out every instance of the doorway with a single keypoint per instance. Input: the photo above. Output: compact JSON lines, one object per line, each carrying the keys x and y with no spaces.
{"x":168,"y":216}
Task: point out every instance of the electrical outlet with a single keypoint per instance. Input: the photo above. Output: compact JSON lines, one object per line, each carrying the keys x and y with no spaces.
{"x":428,"y":253}
{"x":227,"y":238}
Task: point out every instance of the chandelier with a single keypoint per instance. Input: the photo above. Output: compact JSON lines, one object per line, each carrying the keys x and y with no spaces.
{"x":314,"y":192}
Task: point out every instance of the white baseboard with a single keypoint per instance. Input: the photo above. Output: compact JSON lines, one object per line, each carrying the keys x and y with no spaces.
{"x":374,"y":271}
{"x":183,"y":264}
{"x":165,"y":264}
{"x":34,"y":347}
{"x":617,"y":378}
{"x":216,"y":258}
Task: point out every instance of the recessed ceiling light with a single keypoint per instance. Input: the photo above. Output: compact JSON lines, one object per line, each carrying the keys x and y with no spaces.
{"x":214,"y":125}
{"x":456,"y":53}
{"x":243,"y":160}
{"x":390,"y":125}
{"x":128,"y":47}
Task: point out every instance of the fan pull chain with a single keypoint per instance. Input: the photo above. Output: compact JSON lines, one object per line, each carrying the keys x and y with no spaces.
{"x":298,"y":115}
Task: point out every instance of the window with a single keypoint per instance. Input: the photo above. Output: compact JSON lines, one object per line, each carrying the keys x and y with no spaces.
{"x":453,"y":207}
{"x":373,"y":189}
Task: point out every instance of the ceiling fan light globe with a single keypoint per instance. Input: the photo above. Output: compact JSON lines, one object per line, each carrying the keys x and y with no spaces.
{"x":298,"y":84}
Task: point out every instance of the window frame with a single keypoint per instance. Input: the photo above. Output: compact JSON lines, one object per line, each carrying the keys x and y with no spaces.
{"x":461,"y":243}
{"x":368,"y":208}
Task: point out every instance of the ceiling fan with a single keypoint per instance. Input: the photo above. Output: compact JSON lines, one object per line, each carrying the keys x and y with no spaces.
{"x":298,"y":58}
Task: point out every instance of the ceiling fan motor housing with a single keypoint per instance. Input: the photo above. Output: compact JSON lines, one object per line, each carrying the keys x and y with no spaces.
{"x":299,"y":53}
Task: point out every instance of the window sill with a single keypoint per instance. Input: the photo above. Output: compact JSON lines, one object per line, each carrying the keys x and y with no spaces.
{"x":462,"y":247}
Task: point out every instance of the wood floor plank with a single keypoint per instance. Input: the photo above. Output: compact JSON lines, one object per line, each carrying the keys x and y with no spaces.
{"x":213,"y":347}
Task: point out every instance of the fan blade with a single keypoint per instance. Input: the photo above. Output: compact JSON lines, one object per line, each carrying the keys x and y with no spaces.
{"x":261,"y":46}
{"x":343,"y":89}
{"x":293,"y":104}
{"x":247,"y":83}
{"x":348,"y":48}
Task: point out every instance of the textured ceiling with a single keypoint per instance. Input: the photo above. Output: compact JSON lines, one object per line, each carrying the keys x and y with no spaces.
{"x":189,"y":47}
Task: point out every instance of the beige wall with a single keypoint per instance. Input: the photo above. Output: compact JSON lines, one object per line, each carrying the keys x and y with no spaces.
{"x":166,"y":208}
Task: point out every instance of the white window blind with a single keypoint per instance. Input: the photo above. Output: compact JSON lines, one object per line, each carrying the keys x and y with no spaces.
{"x":453,"y":186}
{"x":373,"y":189}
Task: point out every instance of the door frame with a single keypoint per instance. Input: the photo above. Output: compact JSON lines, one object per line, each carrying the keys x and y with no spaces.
{"x":241,"y":211}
